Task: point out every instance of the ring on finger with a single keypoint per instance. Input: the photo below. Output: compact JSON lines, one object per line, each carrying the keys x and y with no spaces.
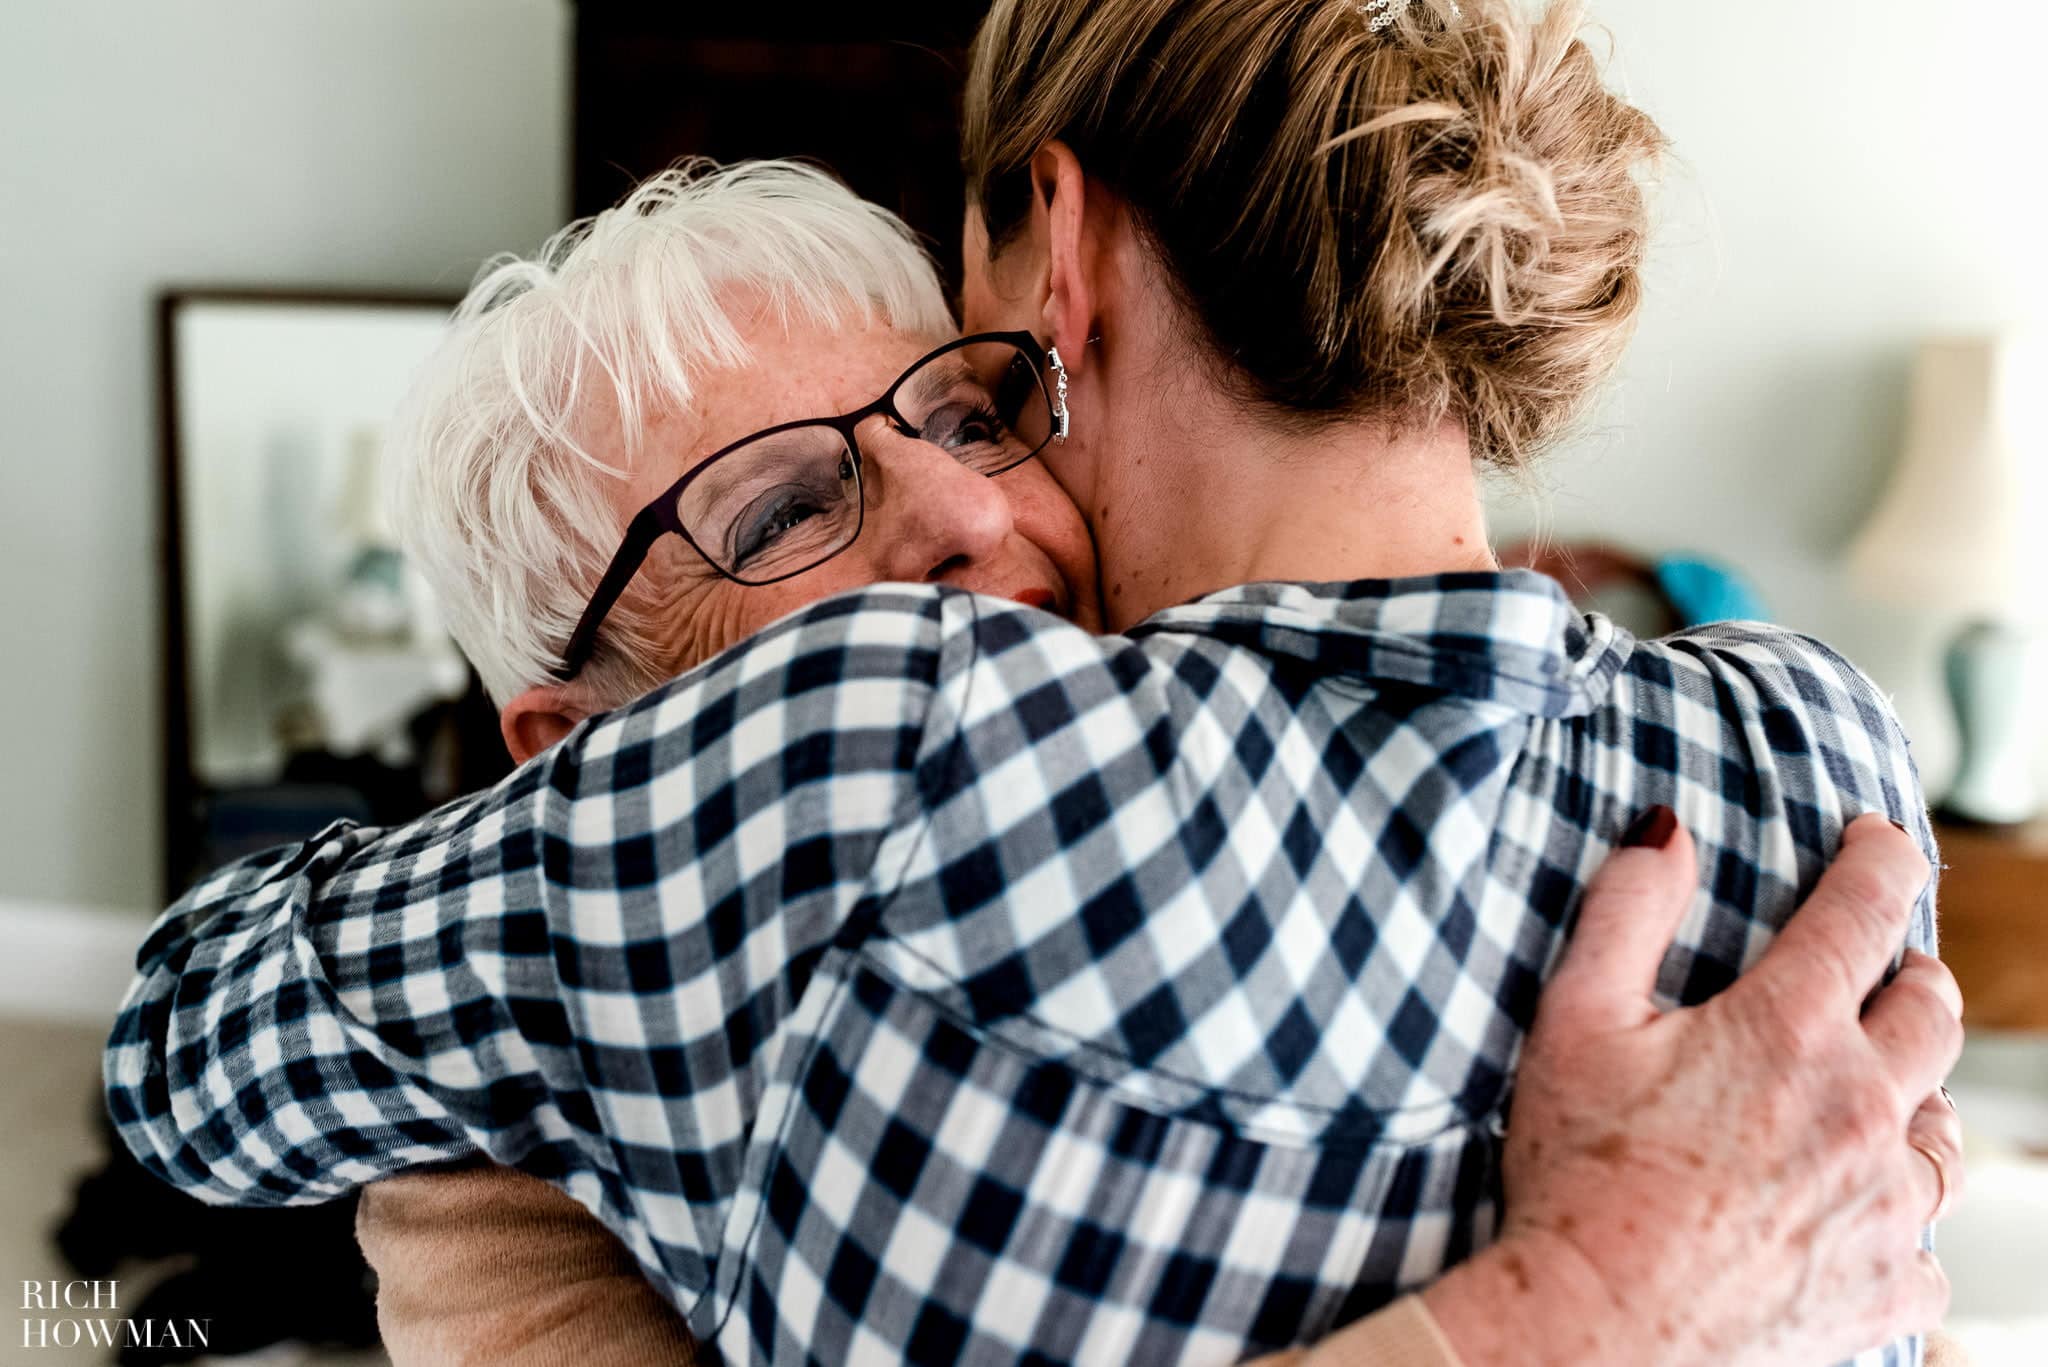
{"x":1940,"y":1176}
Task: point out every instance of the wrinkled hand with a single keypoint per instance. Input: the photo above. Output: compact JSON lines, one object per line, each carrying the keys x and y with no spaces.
{"x":1733,"y":1183}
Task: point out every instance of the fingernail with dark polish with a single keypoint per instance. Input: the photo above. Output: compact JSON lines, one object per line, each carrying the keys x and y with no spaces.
{"x":1653,"y":829}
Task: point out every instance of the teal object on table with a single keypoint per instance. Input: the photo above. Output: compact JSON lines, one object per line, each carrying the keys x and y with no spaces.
{"x":1702,"y":591}
{"x":1989,"y":669}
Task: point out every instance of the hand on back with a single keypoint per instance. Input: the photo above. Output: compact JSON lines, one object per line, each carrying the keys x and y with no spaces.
{"x":1745,"y":1181}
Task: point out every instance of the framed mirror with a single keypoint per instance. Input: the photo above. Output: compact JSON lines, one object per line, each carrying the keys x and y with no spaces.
{"x":307,"y":676}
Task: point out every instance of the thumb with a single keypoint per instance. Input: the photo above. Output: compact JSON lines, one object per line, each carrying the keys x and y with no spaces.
{"x":1627,"y":919}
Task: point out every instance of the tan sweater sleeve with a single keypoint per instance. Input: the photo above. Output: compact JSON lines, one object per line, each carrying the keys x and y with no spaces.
{"x":490,"y":1266}
{"x":1403,"y":1334}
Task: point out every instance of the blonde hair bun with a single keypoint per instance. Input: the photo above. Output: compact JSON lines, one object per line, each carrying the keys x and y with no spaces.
{"x":1438,"y":216}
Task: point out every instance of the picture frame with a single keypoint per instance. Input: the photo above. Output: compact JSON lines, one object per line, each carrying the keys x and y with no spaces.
{"x":274,"y":405}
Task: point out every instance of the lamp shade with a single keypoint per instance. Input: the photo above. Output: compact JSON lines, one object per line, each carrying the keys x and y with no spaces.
{"x":361,"y":510}
{"x":1964,"y":522}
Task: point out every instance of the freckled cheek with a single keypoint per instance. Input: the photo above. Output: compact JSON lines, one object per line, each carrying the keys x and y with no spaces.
{"x":720,"y":614}
{"x":1047,"y":518}
{"x":744,"y":611}
{"x":714,"y":619}
{"x":1056,"y":526}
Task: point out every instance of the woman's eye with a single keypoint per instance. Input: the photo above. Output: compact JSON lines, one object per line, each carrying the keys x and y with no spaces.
{"x":758,"y":532}
{"x":961,"y":426}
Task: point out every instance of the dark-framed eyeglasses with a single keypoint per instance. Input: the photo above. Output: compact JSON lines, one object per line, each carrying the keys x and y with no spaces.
{"x":788,"y":498}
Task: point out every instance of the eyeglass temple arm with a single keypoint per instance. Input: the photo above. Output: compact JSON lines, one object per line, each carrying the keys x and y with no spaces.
{"x":641,"y":534}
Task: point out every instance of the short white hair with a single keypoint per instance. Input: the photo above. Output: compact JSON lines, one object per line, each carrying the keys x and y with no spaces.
{"x":494,"y":489}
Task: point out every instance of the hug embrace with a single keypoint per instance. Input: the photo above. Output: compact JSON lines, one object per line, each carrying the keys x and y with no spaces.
{"x":1059,"y":841}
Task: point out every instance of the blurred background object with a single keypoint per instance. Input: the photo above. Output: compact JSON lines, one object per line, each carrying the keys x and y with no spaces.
{"x":1648,"y":596}
{"x":871,"y":91}
{"x":1959,"y":531}
{"x":308,"y":678}
{"x":1825,"y":214}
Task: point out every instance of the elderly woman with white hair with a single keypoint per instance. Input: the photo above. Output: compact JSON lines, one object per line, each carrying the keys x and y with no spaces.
{"x":695,"y":331}
{"x":924,"y":975}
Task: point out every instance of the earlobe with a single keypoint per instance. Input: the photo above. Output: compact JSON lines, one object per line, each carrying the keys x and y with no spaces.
{"x":1067,"y":212}
{"x":537,"y":719}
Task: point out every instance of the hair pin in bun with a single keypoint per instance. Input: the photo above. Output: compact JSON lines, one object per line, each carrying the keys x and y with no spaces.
{"x":1386,"y":12}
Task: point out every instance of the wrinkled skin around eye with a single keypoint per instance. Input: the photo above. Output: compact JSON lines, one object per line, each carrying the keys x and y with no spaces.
{"x":928,"y":518}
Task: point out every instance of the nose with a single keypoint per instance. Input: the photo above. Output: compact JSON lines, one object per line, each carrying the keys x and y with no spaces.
{"x":932,"y":518}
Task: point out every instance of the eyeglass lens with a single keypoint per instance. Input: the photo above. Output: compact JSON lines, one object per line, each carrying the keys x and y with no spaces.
{"x":785,"y":502}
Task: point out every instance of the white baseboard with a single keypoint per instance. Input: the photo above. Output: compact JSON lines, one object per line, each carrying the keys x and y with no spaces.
{"x":66,"y":963}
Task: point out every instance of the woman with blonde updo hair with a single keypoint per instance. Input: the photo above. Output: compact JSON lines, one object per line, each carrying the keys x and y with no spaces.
{"x":1425,"y":233}
{"x":1189,"y":971}
{"x":1309,"y":265}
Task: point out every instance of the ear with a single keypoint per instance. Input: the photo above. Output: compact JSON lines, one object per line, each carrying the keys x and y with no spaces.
{"x":537,"y":719}
{"x":1073,"y":224}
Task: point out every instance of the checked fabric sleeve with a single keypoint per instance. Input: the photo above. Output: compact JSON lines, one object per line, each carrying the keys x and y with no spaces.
{"x":582,"y":972}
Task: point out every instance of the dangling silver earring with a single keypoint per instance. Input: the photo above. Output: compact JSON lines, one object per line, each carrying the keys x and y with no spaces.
{"x":1059,"y":398}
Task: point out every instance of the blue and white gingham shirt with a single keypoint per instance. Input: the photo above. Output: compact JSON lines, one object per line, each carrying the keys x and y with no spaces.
{"x":927,"y":978}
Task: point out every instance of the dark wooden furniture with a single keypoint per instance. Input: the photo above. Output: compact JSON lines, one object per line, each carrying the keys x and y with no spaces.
{"x":872,"y":91}
{"x":1994,"y":924}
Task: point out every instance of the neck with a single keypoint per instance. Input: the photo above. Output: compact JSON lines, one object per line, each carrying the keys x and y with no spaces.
{"x":1200,"y":497}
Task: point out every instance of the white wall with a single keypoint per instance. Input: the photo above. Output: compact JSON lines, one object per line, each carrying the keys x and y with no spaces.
{"x":1853,"y":175}
{"x":151,"y":142}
